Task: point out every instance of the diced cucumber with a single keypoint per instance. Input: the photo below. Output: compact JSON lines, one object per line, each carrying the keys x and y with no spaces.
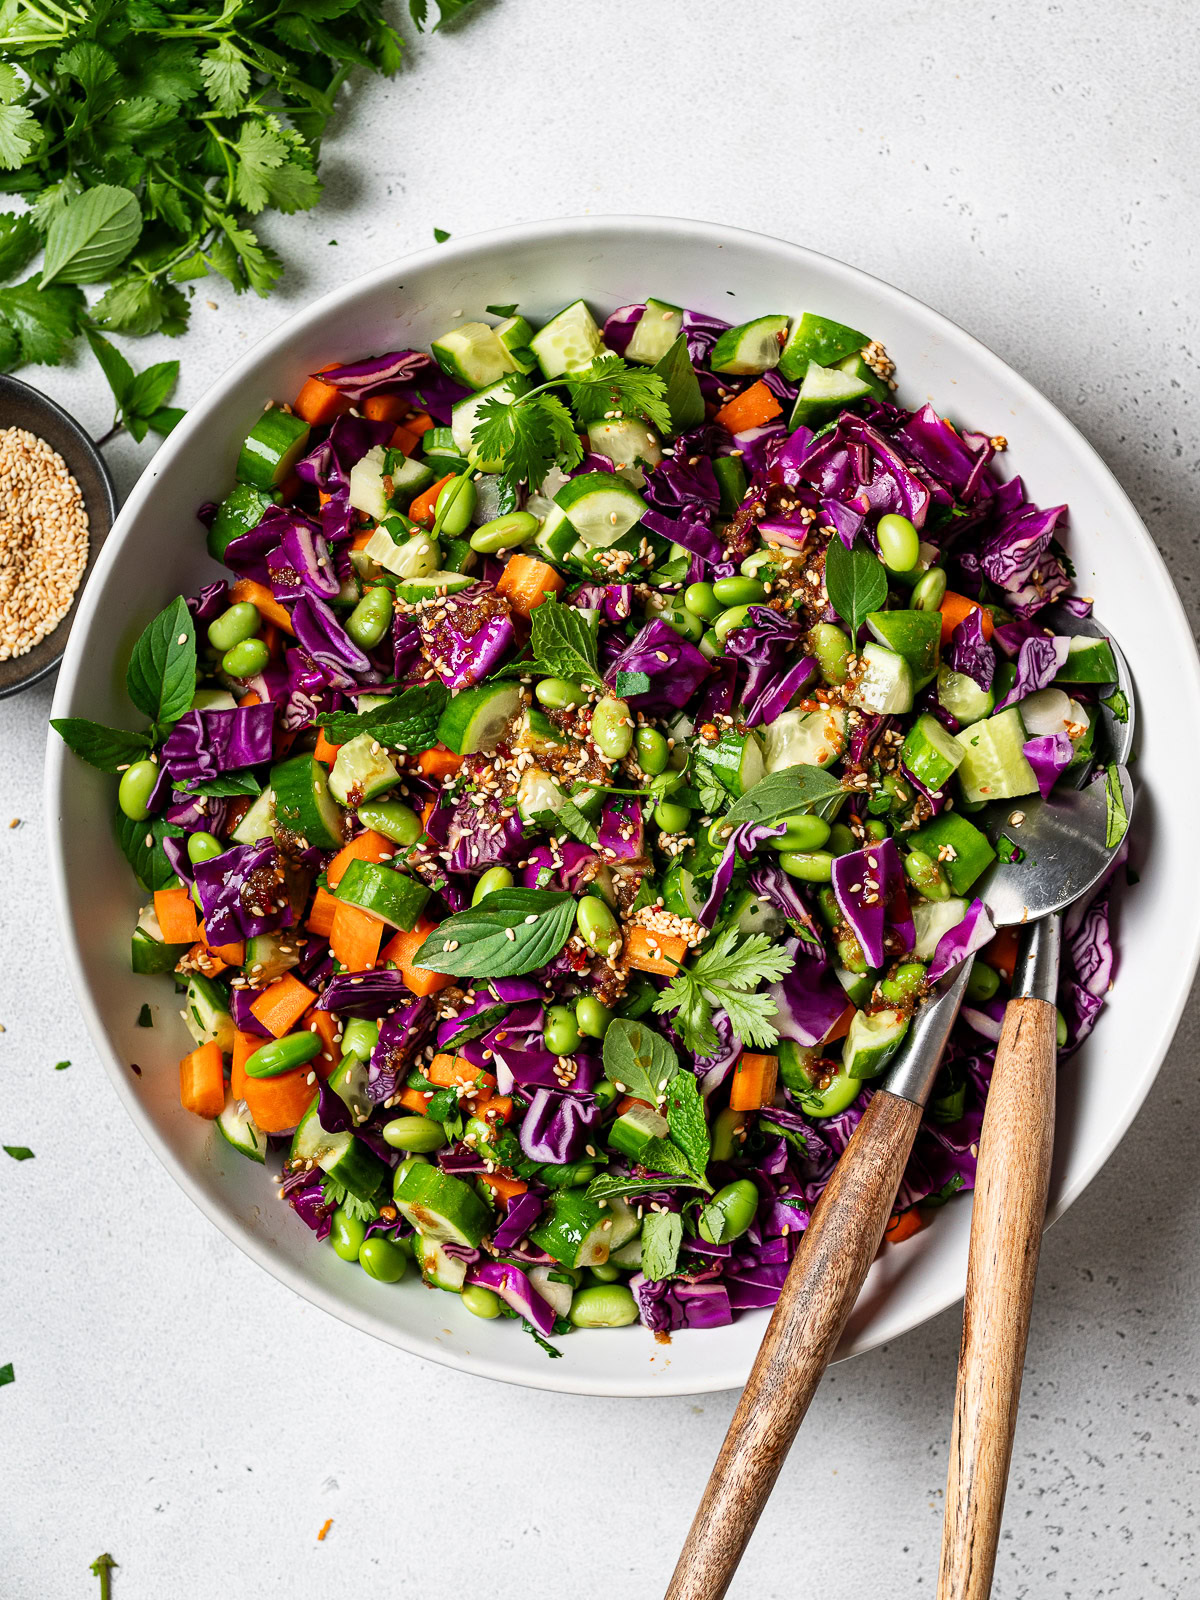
{"x":626,"y":441}
{"x":732,"y":482}
{"x":1088,"y":661}
{"x":824,"y":392}
{"x":213,"y":700}
{"x":856,"y":367}
{"x":679,"y":890}
{"x":833,"y":1092}
{"x":872,"y":1041}
{"x":241,"y":510}
{"x":349,"y":1082}
{"x":369,"y":491}
{"x":207,"y":1014}
{"x":438,"y":1268}
{"x":931,"y":919}
{"x":259,"y":821}
{"x":968,"y":851}
{"x":537,"y":793}
{"x":355,"y":1166}
{"x":477,"y":719}
{"x":657,"y":331}
{"x":238,"y":1128}
{"x":859,"y":986}
{"x":270,"y":955}
{"x":392,"y":896}
{"x":413,"y":590}
{"x":568,"y":343}
{"x":441,"y":1207}
{"x":818,"y":339}
{"x":930,"y":753}
{"x":272,"y":448}
{"x":633,"y":1130}
{"x":361,"y":771}
{"x":417,"y":557}
{"x":804,"y":738}
{"x":548,"y":1283}
{"x":457,"y":558}
{"x":149,"y":953}
{"x":601,"y":507}
{"x":556,"y":538}
{"x":885,"y":684}
{"x":536,"y":733}
{"x":465,"y":413}
{"x":473,"y":354}
{"x":994,"y":765}
{"x":736,"y":761}
{"x":514,"y":333}
{"x":628,"y":1256}
{"x":962,"y":697}
{"x":752,"y":916}
{"x":409,"y":477}
{"x":915,"y":635}
{"x":751,"y":347}
{"x":572,"y":1230}
{"x":1047,"y":711}
{"x":303,"y":803}
{"x":625,"y":1224}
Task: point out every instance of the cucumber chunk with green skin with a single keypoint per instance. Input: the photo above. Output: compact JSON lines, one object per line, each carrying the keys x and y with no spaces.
{"x":207,"y":1014}
{"x":679,"y":890}
{"x":872,"y":1041}
{"x":392,"y":896}
{"x":303,"y":803}
{"x":824,"y":392}
{"x":537,"y":795}
{"x":369,"y":485}
{"x":601,"y":507}
{"x":732,"y":482}
{"x":241,"y":510}
{"x":569,"y":342}
{"x":465,"y":414}
{"x":259,"y":821}
{"x":752,"y":347}
{"x":439,"y":1269}
{"x":856,"y":367}
{"x":750,"y":915}
{"x":658,"y":329}
{"x":270,"y":955}
{"x":149,"y":955}
{"x":885,"y":683}
{"x":547,"y":1280}
{"x":536,"y":733}
{"x":962,"y":697}
{"x":572,"y":1230}
{"x":457,"y":558}
{"x":475,"y":721}
{"x":829,"y":1094}
{"x":818,"y":339}
{"x":416,"y":557}
{"x":272,"y":448}
{"x":859,"y":986}
{"x":238,"y":1128}
{"x":361,"y":771}
{"x":969,"y":852}
{"x":441,"y":1207}
{"x":473,"y":354}
{"x":736,"y":761}
{"x":413,"y":590}
{"x":804,"y":738}
{"x":994,"y":765}
{"x":915,"y":635}
{"x":633,"y":1130}
{"x":514,"y":333}
{"x":409,"y":477}
{"x":932,"y":919}
{"x":556,"y":537}
{"x":1088,"y":661}
{"x":356,"y":1167}
{"x":931,"y":754}
{"x":626,"y":441}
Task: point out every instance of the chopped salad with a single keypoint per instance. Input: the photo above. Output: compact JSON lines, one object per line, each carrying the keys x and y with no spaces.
{"x":552,"y":820}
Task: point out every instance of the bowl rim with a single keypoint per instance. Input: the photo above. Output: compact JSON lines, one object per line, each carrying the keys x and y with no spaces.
{"x":90,"y":448}
{"x":732,"y":1374}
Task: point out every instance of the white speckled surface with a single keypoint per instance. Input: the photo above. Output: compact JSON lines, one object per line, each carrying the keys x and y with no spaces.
{"x":1026,"y":170}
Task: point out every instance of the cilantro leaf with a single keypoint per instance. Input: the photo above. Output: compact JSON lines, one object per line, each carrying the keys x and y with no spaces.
{"x":19,"y":1152}
{"x":527,"y":436}
{"x":44,"y":321}
{"x":610,"y":384}
{"x":335,"y":1193}
{"x":226,"y":78}
{"x":19,"y":243}
{"x":20,"y":131}
{"x":662,"y":1235}
{"x":725,"y":976}
{"x":139,"y":305}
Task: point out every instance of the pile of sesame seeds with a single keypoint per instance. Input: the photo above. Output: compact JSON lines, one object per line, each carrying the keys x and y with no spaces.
{"x":43,"y":540}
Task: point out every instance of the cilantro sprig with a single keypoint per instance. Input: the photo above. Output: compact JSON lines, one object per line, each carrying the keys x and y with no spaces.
{"x":725,"y":976}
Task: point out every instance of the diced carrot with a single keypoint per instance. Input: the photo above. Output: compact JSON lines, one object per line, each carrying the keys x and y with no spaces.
{"x":414,"y":1100}
{"x":177,"y":916}
{"x":386,"y":408}
{"x":505,"y":1189}
{"x":355,"y":937}
{"x":231,"y":954}
{"x":526,"y":581}
{"x":956,"y":608}
{"x":403,"y":439}
{"x":251,"y":698}
{"x":202,"y":1081}
{"x":320,"y":402}
{"x":902,"y":1225}
{"x":842,"y":1026}
{"x":277,"y":1104}
{"x":281,"y":1004}
{"x":361,"y":540}
{"x":244,"y":1046}
{"x":365,"y":846}
{"x":447,"y":1070}
{"x":324,"y":751}
{"x":420,"y":423}
{"x":661,"y":953}
{"x":1001,"y":953}
{"x":753,"y":1082}
{"x":402,"y":949}
{"x":627,"y":1103}
{"x":201,"y":959}
{"x":750,"y":409}
{"x":422,"y":508}
{"x":264,"y":602}
{"x":321,"y":913}
{"x":272,"y":637}
{"x":438,"y":762}
{"x":495,"y":1108}
{"x":323,"y":1024}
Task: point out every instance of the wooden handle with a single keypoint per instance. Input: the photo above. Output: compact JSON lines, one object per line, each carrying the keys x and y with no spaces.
{"x":822,"y":1285}
{"x":1006,"y":1235}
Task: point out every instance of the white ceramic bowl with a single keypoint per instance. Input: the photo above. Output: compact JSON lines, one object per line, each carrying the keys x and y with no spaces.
{"x":156,"y":551}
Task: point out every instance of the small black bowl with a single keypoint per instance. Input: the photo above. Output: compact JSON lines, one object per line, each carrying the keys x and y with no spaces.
{"x":24,"y":407}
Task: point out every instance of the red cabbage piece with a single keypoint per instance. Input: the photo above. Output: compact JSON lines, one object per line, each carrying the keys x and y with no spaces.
{"x":468,"y":636}
{"x":1039,"y":661}
{"x":243,"y":892}
{"x":958,"y":943}
{"x":752,"y":1280}
{"x":515,"y":1289}
{"x":713,"y":1070}
{"x":970,"y":653}
{"x":1080,"y":1008}
{"x":327,"y":642}
{"x":760,"y":446}
{"x":351,"y":438}
{"x":777,"y":668}
{"x":1012,"y":554}
{"x":621,"y":833}
{"x":669,"y":1304}
{"x":401,"y":1034}
{"x":847,"y":522}
{"x":743,"y":841}
{"x":1090,"y":951}
{"x":694,"y":536}
{"x":792,"y":456}
{"x":308,"y":1202}
{"x":985,"y":1017}
{"x":205,"y":743}
{"x":957,"y":460}
{"x":557,"y":1126}
{"x":684,"y":481}
{"x":480,"y":837}
{"x":523,"y":1211}
{"x":240,"y":1001}
{"x":513,"y":990}
{"x":618,"y":329}
{"x":855,"y":462}
{"x":332,"y":1111}
{"x":532,"y":1068}
{"x":675,"y":667}
{"x":1049,"y":755}
{"x":865,"y":882}
{"x":365,"y":994}
{"x":359,"y":379}
{"x":570,"y":864}
{"x":701,"y":333}
{"x":208,"y":605}
{"x":591,"y":461}
{"x":770,"y":883}
{"x":302,"y":561}
{"x":809,"y":1001}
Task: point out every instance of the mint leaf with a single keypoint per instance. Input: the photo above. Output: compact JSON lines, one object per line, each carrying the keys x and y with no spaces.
{"x":409,"y":719}
{"x":563,"y":644}
{"x":686,"y":1119}
{"x":628,"y":683}
{"x":161,"y":677}
{"x":662,"y":1235}
{"x":613,"y":1186}
{"x":791,"y":789}
{"x":638,"y":1060}
{"x":509,"y":932}
{"x":108,"y":749}
{"x":855,"y":581}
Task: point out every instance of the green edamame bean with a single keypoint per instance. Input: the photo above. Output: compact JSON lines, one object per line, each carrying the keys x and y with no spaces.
{"x":810,"y":866}
{"x":1060,"y":1030}
{"x":203,"y":847}
{"x":605,"y":1272}
{"x":684,"y":622}
{"x":739,"y":591}
{"x":245,"y":659}
{"x":241,"y":621}
{"x":504,"y":533}
{"x":281,"y":1055}
{"x":612,"y":728}
{"x":569,"y":1176}
{"x":841,"y":840}
{"x":710,"y":647}
{"x":382,"y":1260}
{"x":481,"y":1302}
{"x":899,"y":543}
{"x":727,"y":1125}
{"x":735,"y":617}
{"x":905,"y":983}
{"x":926,"y":876}
{"x":494,"y":878}
{"x":670,"y":817}
{"x":558,"y":694}
{"x":359,"y":1038}
{"x":371,"y":618}
{"x":136,"y":787}
{"x":875,"y":829}
{"x":393,"y":819}
{"x":414,"y":1135}
{"x":931,"y":590}
{"x":803,"y":833}
{"x":347,"y":1234}
{"x":983,"y":981}
{"x":455,"y":506}
{"x":604,"y":1305}
{"x":606,"y":1094}
{"x":597,"y":926}
{"x":702,"y":602}
{"x":404,"y":1167}
{"x":591,"y":1017}
{"x":729,"y":1213}
{"x":561,"y":1032}
{"x":652,"y":751}
{"x":831,"y":647}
